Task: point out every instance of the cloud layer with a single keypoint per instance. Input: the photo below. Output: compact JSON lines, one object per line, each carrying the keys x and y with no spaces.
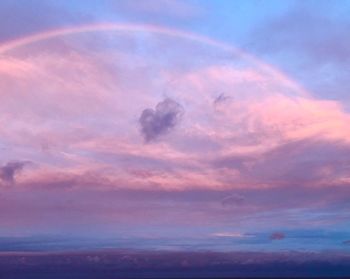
{"x":147,"y":134}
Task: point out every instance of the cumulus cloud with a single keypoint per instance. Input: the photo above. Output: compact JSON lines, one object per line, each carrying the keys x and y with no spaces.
{"x":10,"y":170}
{"x":277,"y":236}
{"x":161,"y":120}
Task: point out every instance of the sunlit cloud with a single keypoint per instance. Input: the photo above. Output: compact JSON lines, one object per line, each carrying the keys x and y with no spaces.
{"x":156,"y":132}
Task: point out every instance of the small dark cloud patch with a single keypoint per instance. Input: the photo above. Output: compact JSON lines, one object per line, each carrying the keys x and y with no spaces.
{"x":221,"y":99}
{"x":161,"y":120}
{"x":346,"y":242}
{"x":232,"y":200}
{"x":277,"y":236}
{"x":10,"y":170}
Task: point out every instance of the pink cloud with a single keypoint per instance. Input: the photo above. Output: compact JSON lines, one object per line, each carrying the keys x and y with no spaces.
{"x":92,"y":135}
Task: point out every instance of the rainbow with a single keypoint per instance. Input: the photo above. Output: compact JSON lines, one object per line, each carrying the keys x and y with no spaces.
{"x":46,"y":35}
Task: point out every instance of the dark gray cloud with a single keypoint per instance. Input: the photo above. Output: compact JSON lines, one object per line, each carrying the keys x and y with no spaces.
{"x":9,"y":171}
{"x":277,"y":236}
{"x":161,"y":120}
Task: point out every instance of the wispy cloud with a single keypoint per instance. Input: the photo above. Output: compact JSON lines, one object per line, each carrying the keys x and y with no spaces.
{"x":232,"y":234}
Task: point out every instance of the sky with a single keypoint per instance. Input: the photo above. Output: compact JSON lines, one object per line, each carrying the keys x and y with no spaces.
{"x":175,"y":125}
